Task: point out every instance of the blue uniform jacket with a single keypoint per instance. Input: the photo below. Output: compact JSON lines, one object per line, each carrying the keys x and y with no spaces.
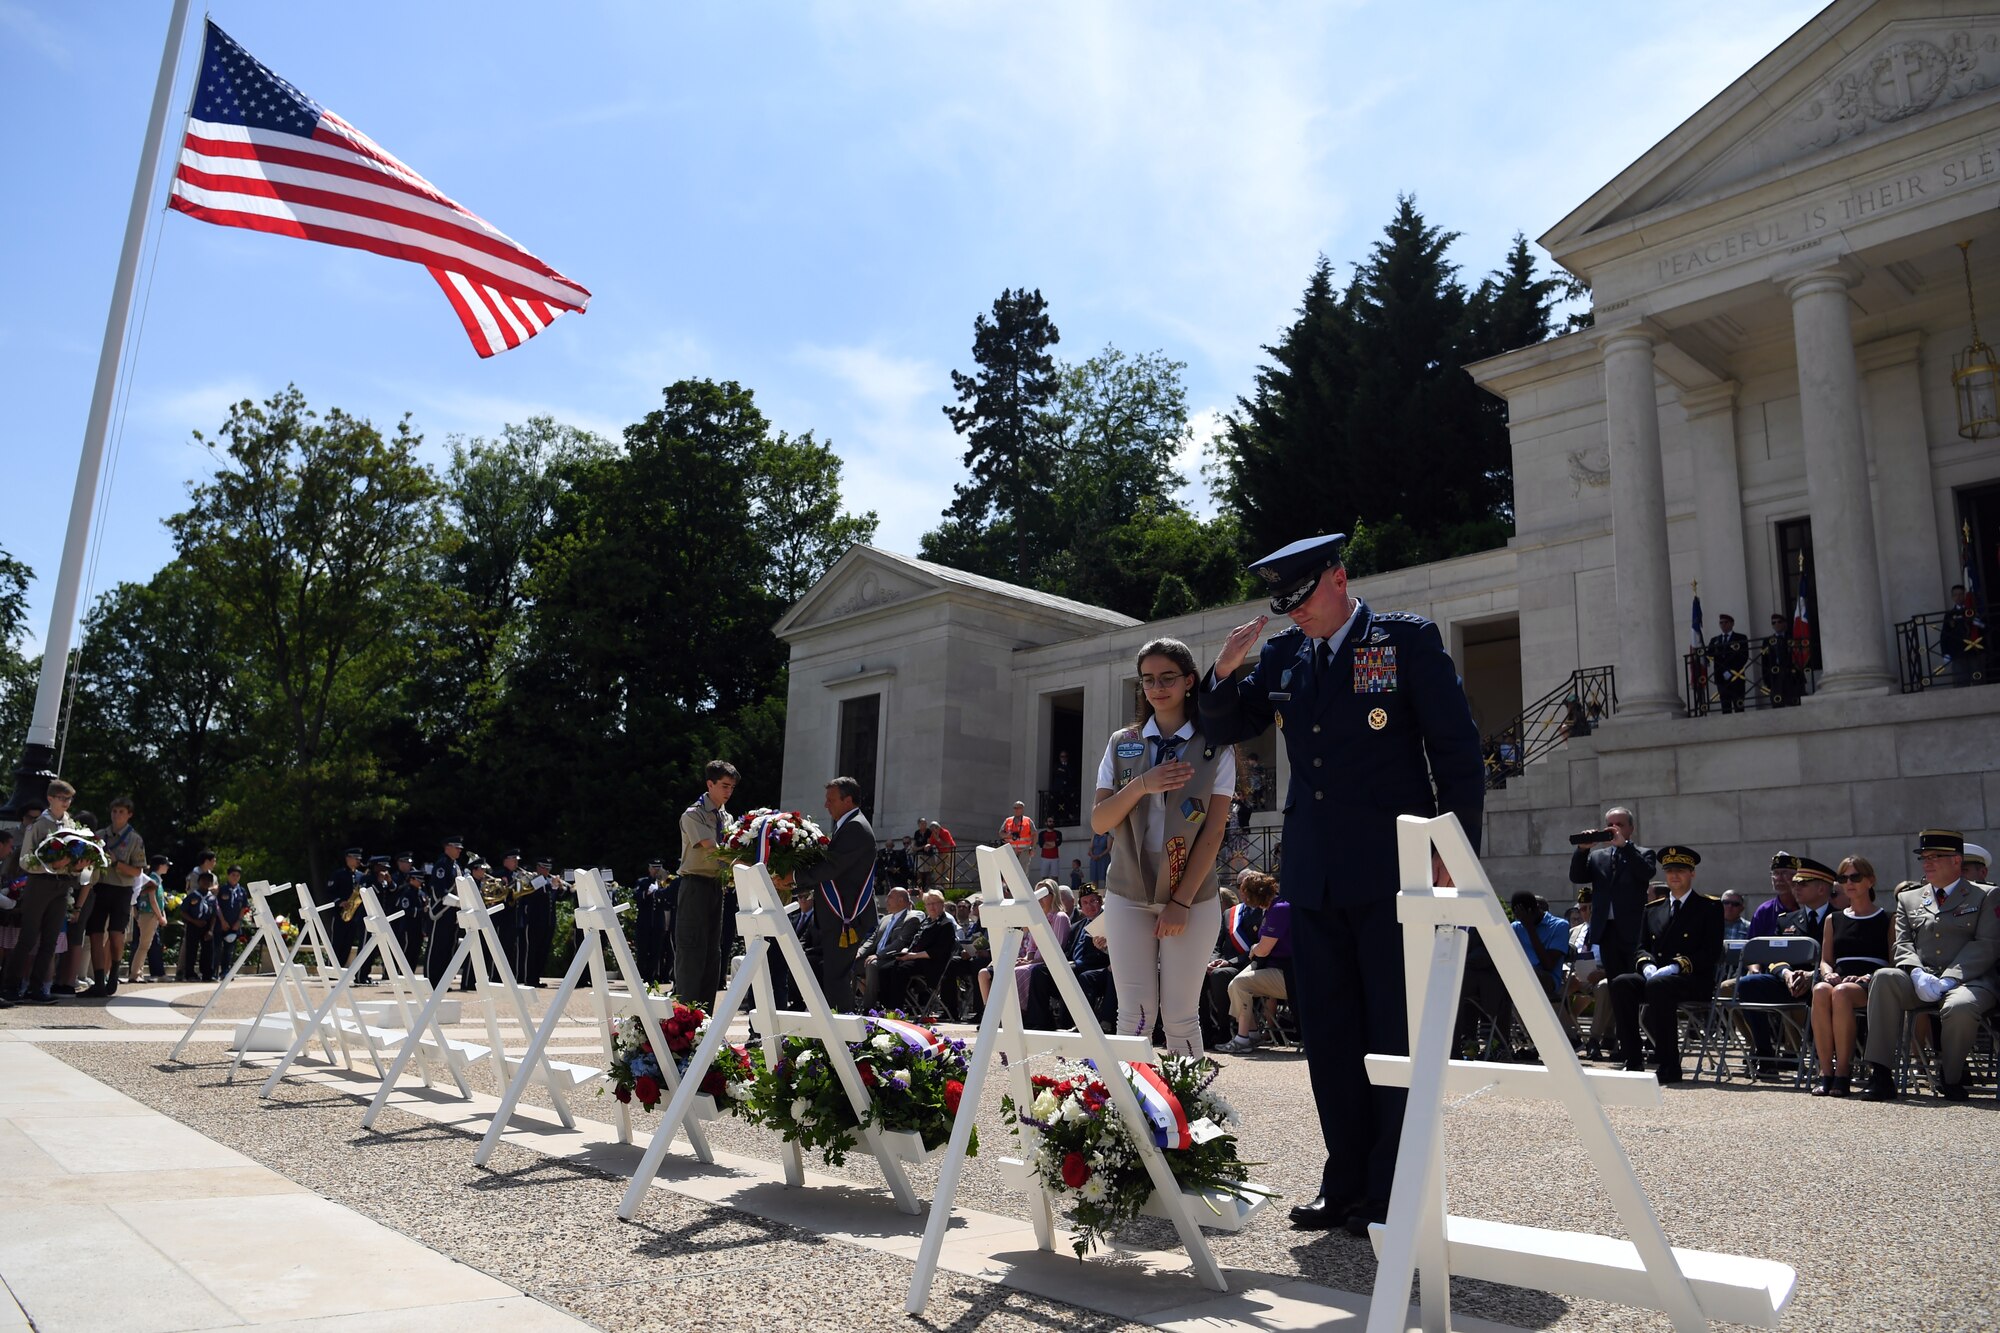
{"x":1351,"y":778}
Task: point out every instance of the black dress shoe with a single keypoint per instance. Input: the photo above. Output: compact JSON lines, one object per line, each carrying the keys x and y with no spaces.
{"x":1666,"y":1076}
{"x":1952,"y":1092}
{"x":1365,"y":1214}
{"x":1322,"y":1214}
{"x":1881,"y":1086}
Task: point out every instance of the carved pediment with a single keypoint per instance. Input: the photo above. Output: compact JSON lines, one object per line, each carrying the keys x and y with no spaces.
{"x":1853,"y":77}
{"x":864,"y":590}
{"x":862,"y":580}
{"x":1909,"y":70}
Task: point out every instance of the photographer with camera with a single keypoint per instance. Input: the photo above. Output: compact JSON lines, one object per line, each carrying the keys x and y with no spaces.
{"x":1617,"y":870}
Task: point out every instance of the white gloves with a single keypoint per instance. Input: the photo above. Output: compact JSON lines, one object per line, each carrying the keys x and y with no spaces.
{"x":1670,"y":970}
{"x":1649,"y":971}
{"x":1929,"y":989}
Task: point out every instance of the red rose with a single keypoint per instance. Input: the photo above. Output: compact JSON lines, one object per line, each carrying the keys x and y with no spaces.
{"x":953,"y":1090}
{"x":648,"y":1089}
{"x":714,"y":1084}
{"x":868,"y":1075}
{"x":622,"y":1093}
{"x":1040,"y":1081}
{"x":1075,"y":1170}
{"x":1065,"y":1088}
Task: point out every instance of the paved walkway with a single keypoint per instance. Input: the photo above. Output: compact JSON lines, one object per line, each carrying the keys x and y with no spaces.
{"x":121,"y":1220}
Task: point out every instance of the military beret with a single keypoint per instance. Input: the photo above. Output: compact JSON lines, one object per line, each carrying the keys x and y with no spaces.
{"x":1941,"y":840}
{"x":1677,"y":855}
{"x":1290,"y":573}
{"x":1784,"y":861}
{"x":1810,"y":869}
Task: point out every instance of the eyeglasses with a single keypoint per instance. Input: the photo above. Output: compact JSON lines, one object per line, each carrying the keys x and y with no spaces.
{"x":1727,"y":903}
{"x":1165,"y":681}
{"x":1938,"y":856}
{"x":1852,"y":879}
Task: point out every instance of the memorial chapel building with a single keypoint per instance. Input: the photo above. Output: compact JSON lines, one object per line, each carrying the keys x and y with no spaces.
{"x":1780,"y":300}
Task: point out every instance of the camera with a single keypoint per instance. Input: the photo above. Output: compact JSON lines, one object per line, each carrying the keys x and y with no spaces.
{"x":1590,"y":835}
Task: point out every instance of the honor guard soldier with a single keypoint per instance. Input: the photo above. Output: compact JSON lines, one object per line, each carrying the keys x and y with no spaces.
{"x":1376,"y":725}
{"x":1678,"y":951}
{"x":512,"y":924}
{"x":343,"y":919}
{"x":1729,"y":662}
{"x":381,"y":879}
{"x":652,"y":899}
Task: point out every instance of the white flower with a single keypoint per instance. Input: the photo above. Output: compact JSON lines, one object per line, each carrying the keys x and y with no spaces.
{"x":884,"y":1043}
{"x":740,"y":1092}
{"x":1093,"y":1189}
{"x":799,"y":1109}
{"x":1045,"y":1106}
{"x":1072,"y":1110}
{"x":804,"y":1058}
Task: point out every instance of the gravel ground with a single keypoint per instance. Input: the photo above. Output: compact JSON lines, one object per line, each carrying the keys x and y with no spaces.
{"x":1762,"y":1171}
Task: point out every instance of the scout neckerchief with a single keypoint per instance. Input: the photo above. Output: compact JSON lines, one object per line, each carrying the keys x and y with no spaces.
{"x":847,"y":912}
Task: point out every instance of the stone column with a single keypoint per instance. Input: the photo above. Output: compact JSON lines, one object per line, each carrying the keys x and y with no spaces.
{"x":1852,"y":631}
{"x":1912,"y":580}
{"x":1718,"y":504}
{"x":1648,"y":661}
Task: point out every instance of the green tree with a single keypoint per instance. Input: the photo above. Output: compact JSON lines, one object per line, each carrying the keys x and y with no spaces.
{"x":795,"y":509}
{"x":159,"y":702}
{"x":316,"y":539}
{"x":17,"y":672}
{"x":1000,"y":413}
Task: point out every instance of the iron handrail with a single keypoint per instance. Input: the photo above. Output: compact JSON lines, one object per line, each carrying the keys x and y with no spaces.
{"x":1572,"y":708}
{"x":1777,"y":674}
{"x":1941,"y":648}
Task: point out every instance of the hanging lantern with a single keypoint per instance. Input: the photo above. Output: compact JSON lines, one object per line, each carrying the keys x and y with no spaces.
{"x":1975,"y":372}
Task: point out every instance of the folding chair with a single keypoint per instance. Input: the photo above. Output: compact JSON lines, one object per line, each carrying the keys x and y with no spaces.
{"x":1729,"y":1013}
{"x":923,"y":994}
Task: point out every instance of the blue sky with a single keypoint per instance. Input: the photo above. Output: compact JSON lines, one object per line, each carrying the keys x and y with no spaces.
{"x":812,"y":199}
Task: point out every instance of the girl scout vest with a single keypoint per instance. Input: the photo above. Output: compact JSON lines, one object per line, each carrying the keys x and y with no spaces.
{"x":1135,"y":871}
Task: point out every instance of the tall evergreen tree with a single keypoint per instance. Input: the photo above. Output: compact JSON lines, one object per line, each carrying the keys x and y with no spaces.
{"x":1000,"y":413}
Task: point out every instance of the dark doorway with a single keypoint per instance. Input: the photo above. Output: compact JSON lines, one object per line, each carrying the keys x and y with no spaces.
{"x":1978,"y":542}
{"x":1063,"y":782}
{"x":860,"y":726}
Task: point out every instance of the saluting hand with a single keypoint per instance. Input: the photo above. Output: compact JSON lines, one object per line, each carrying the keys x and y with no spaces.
{"x":1237,"y":646}
{"x":1170,"y":776}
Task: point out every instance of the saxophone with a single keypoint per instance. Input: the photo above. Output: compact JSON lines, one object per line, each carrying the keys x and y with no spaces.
{"x":352,"y":904}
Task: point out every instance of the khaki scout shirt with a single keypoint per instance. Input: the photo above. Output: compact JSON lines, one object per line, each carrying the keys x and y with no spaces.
{"x":701,"y":822}
{"x":128,"y":848}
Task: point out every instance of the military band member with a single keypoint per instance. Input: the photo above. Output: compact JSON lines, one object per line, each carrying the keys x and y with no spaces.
{"x":443,"y":910}
{"x":1678,"y":951}
{"x":1729,"y":663}
{"x":343,"y":920}
{"x":409,"y":897}
{"x":1376,"y":725}
{"x":511,"y":923}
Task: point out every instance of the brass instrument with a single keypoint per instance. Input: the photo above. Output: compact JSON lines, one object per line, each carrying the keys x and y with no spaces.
{"x":493,"y":890}
{"x":352,"y":904}
{"x":523,"y":886}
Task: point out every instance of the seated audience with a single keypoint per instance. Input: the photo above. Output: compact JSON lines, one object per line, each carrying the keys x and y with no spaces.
{"x":1263,"y":979}
{"x":1812,"y":886}
{"x":1045,"y":1009}
{"x":1678,"y":949}
{"x":1946,"y":941}
{"x":1031,"y":953}
{"x":923,"y":956}
{"x":1241,"y":921}
{"x":1856,"y":945}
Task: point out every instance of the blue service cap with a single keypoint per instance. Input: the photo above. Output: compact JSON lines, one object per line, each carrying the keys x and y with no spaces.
{"x":1292,"y":572}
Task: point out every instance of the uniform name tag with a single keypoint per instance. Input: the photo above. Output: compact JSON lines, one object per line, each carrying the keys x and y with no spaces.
{"x":1375,"y":669}
{"x":1280,"y":696}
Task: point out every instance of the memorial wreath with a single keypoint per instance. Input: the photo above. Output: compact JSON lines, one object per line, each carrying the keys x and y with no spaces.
{"x":635,"y":1066}
{"x":782,"y":840}
{"x":914,"y":1076}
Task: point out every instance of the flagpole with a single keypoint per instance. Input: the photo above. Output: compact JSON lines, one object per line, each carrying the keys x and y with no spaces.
{"x":32,"y":774}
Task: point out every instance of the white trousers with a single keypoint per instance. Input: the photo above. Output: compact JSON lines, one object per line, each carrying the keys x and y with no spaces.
{"x":1160,"y":979}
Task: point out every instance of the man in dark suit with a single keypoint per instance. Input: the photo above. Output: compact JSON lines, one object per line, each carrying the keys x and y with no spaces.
{"x":894,"y":933}
{"x":915,"y":944}
{"x":1729,"y":659}
{"x":1376,"y":725}
{"x":1617,"y":871}
{"x":1678,"y":952}
{"x":844,"y":903}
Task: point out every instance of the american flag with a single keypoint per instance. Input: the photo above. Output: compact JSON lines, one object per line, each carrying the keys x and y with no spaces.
{"x":261,"y":154}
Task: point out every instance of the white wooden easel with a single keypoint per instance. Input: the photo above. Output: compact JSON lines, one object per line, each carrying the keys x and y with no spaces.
{"x":408,"y":993}
{"x":1690,"y":1286}
{"x":596,"y":924}
{"x":764,"y":924}
{"x":493,"y":979}
{"x":354,"y":1023}
{"x":288,"y":980}
{"x":1003,"y":1034}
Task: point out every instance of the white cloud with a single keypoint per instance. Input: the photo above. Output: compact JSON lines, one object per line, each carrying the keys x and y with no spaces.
{"x":880,"y":409}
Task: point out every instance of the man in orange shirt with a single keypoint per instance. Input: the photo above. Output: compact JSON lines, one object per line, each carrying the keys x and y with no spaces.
{"x":1019,"y":832}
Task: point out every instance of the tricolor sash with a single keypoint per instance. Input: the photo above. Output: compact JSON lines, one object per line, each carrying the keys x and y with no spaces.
{"x":1245,"y":942}
{"x":1162,"y":1108}
{"x":916,"y":1036}
{"x":847,"y":912}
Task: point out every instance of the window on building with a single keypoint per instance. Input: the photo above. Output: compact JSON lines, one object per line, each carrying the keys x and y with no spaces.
{"x":860,"y":730}
{"x":1977,"y":542}
{"x":1795,"y":553}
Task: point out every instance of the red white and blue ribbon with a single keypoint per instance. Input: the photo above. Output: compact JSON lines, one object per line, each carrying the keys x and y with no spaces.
{"x":1162,"y":1108}
{"x":1246,"y":939}
{"x":914,"y":1035}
